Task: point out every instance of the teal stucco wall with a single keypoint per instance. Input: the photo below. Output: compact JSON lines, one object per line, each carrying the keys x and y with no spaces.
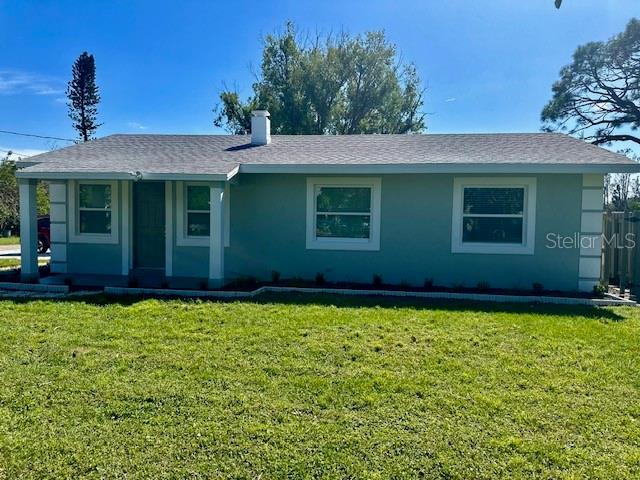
{"x":268,"y":232}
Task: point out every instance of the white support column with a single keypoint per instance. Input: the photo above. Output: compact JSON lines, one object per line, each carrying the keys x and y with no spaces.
{"x":28,"y":230}
{"x":168,"y":226}
{"x":126,"y":223}
{"x":216,"y":236}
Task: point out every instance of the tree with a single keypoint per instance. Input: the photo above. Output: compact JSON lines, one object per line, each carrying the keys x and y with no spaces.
{"x":10,"y":199}
{"x":83,"y":95}
{"x":621,"y":191}
{"x":8,"y":195}
{"x":598,"y":95}
{"x":558,"y":3}
{"x":332,"y":85}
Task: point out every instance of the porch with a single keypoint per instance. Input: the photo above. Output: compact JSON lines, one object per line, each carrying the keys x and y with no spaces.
{"x":118,"y":231}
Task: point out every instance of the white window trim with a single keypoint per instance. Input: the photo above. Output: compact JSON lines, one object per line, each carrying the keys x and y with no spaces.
{"x":529,"y":217}
{"x":182,"y":239}
{"x":319,"y":243}
{"x":74,"y":233}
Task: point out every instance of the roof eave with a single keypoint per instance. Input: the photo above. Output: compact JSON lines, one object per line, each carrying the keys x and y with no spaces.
{"x":506,"y":168}
{"x":213,"y":177}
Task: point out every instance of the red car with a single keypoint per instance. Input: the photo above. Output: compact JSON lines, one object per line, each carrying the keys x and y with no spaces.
{"x":44,"y":234}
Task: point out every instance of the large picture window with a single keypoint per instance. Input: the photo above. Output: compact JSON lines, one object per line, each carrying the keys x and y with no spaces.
{"x":343,"y":213}
{"x":494,"y":215}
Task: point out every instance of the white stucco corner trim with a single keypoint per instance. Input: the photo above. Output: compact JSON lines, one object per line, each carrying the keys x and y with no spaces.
{"x":527,"y":247}
{"x":590,"y":260}
{"x":367,"y":244}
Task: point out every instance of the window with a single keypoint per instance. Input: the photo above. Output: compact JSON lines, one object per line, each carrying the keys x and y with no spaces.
{"x":193,"y":214}
{"x":94,"y":208}
{"x":494,"y":215}
{"x":343,"y":213}
{"x":93,"y":211}
{"x":198,"y":216}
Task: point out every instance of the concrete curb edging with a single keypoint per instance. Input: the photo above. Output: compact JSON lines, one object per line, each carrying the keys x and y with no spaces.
{"x":609,"y":300}
{"x":34,"y":287}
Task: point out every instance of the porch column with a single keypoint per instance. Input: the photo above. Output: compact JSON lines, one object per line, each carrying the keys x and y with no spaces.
{"x":28,"y":230}
{"x":216,"y":238}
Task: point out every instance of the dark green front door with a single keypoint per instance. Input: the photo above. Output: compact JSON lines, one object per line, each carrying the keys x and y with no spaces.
{"x":148,"y":225}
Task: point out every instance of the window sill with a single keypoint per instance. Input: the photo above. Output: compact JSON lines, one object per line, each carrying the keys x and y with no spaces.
{"x":97,"y":238}
{"x":193,"y":241}
{"x":493,"y":249}
{"x":315,"y":244}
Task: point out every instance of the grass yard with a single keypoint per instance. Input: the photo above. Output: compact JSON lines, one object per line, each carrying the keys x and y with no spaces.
{"x":306,"y":389}
{"x":9,"y":240}
{"x":14,"y":262}
{"x":9,"y":262}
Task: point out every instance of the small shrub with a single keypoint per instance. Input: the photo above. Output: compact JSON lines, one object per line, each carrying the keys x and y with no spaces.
{"x":204,"y":285}
{"x":275,"y":276}
{"x":600,"y":289}
{"x":132,"y":283}
{"x":377,"y":280}
{"x":320,"y":278}
{"x":483,"y":286}
{"x":458,"y":286}
{"x":404,"y":285}
{"x":537,"y":288}
{"x":164,"y":284}
{"x":428,"y":283}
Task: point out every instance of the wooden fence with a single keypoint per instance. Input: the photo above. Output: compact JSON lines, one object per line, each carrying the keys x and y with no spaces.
{"x":620,"y":244}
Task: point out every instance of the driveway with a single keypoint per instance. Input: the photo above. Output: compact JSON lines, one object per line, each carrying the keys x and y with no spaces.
{"x":13,"y":251}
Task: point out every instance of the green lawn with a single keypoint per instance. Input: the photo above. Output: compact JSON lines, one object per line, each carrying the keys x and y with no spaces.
{"x":304,"y":389}
{"x":14,"y":262}
{"x":9,"y":262}
{"x":9,"y":240}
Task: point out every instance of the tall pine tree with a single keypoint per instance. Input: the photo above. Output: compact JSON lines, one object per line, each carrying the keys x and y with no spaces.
{"x":83,"y":95}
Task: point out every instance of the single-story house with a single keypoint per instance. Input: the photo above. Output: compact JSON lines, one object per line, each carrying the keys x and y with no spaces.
{"x":507,"y":209}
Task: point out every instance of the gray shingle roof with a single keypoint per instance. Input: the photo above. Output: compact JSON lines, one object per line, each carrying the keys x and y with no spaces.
{"x":222,"y":154}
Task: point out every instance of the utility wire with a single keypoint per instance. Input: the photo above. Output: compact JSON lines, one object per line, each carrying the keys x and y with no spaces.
{"x":37,"y":136}
{"x":18,"y":154}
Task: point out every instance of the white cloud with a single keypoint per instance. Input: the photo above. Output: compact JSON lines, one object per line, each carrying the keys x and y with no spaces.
{"x":450,"y":99}
{"x":15,"y":82}
{"x":137,"y":126}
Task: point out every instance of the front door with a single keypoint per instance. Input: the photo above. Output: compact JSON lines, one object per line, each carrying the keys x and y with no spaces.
{"x":148,"y":225}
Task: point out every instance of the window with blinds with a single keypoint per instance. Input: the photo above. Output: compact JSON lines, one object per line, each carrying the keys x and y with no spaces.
{"x":493,"y":215}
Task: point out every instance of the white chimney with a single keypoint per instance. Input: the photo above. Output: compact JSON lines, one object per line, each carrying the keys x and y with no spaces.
{"x":260,"y":128}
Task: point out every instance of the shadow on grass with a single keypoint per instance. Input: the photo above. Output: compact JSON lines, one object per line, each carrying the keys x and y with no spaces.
{"x":343,"y":301}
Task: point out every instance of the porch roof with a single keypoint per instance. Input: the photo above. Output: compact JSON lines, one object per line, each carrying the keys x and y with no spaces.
{"x":220,"y":157}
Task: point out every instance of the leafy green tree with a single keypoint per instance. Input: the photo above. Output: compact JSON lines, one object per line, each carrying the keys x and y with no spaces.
{"x":10,"y":199}
{"x":8,"y":195}
{"x":558,"y":3}
{"x":83,"y":95}
{"x":598,"y":95}
{"x":332,"y":85}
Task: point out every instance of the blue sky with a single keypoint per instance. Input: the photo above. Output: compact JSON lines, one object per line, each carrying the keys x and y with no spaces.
{"x":488,"y":65}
